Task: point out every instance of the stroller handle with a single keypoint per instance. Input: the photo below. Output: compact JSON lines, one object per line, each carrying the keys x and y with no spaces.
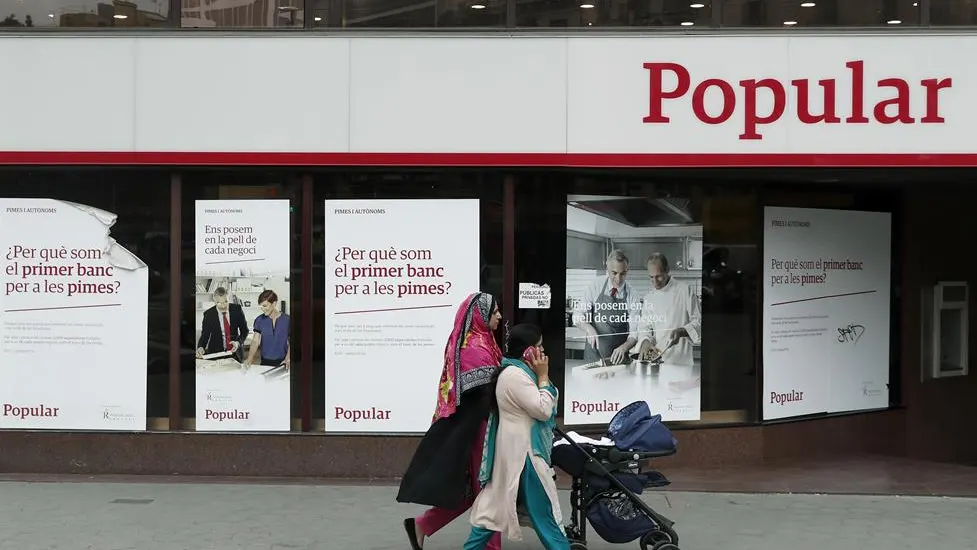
{"x":615,"y":454}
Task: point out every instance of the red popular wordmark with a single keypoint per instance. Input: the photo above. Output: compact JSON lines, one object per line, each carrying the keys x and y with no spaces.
{"x":750,"y":91}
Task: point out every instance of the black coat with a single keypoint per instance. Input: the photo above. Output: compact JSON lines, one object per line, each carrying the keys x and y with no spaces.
{"x":439,"y":474}
{"x":211,"y":337}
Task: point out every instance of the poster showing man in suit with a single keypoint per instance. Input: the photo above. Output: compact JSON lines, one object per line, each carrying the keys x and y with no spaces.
{"x":242,"y":259}
{"x":224,"y":328}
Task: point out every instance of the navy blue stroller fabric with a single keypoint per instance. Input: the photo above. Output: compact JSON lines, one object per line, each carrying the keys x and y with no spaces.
{"x":634,"y":428}
{"x":617,"y":520}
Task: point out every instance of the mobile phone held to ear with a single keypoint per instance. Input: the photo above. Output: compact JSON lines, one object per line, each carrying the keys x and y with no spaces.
{"x":530,"y":355}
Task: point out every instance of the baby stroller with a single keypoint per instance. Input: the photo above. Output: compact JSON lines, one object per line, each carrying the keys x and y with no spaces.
{"x":607,"y":479}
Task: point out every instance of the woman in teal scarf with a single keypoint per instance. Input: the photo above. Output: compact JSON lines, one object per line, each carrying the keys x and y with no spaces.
{"x":516,"y":466}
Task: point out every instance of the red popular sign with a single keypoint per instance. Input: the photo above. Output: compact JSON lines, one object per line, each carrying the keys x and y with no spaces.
{"x":895,"y":109}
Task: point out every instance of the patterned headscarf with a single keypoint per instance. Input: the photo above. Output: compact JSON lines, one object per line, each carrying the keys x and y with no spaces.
{"x":471,"y":355}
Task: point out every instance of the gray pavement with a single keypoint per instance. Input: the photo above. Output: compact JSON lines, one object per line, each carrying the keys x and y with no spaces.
{"x":187,"y":516}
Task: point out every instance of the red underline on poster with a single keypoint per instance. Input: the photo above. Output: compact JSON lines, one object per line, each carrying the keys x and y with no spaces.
{"x":523,"y":159}
{"x":824,"y":297}
{"x":390,"y":309}
{"x":59,"y":307}
{"x":234,"y":261}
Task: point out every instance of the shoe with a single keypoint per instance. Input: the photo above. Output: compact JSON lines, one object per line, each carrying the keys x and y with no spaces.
{"x":411,"y":527}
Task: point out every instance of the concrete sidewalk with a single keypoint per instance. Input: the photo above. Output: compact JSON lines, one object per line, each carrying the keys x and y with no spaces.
{"x":185,"y":516}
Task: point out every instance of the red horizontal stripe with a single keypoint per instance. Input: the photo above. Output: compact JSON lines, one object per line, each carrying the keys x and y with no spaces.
{"x":572,"y":160}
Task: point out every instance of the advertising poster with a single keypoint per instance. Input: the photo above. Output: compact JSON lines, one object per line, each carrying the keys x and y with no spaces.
{"x":826,"y":301}
{"x":396,"y":272}
{"x":242,"y":315}
{"x":73,"y":328}
{"x":633,"y":309}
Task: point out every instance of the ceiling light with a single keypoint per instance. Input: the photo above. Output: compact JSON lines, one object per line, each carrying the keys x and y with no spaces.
{"x":478,"y":6}
{"x":317,"y":18}
{"x":51,"y":15}
{"x":697,"y":5}
{"x":586,"y":6}
{"x":687,"y":23}
{"x":120,"y":16}
{"x":895,"y":22}
{"x":808,"y":4}
{"x":790,"y":23}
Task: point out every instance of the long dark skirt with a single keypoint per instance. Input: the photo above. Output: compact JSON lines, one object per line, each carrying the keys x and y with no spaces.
{"x":439,"y":474}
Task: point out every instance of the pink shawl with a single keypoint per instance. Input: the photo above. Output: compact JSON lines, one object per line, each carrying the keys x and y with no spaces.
{"x":471,"y":355}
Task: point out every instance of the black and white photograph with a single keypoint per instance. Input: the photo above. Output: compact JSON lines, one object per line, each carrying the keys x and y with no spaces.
{"x":633,"y":306}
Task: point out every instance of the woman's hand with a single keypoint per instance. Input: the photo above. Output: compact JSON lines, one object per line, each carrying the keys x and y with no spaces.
{"x":541,"y":366}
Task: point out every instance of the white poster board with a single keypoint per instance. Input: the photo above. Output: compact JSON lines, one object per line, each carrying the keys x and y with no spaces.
{"x":73,"y":320}
{"x":242,"y":256}
{"x":535,"y":296}
{"x":826,"y":302}
{"x":396,"y":271}
{"x":628,"y":301}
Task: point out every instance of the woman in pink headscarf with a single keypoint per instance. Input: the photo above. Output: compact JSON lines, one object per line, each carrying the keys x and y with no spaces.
{"x":444,"y":471}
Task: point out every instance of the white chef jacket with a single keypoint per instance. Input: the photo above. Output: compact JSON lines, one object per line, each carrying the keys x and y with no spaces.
{"x":582,"y":307}
{"x":674,"y":306}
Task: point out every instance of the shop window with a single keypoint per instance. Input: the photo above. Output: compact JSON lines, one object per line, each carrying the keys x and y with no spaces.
{"x":141,"y":202}
{"x":820,"y":13}
{"x":251,"y":261}
{"x":380,"y":13}
{"x":453,"y":249}
{"x":246,"y":14}
{"x":953,"y":12}
{"x":122,"y":14}
{"x":616,"y":13}
{"x":409,"y":13}
{"x":708,"y":238}
{"x":471,"y":13}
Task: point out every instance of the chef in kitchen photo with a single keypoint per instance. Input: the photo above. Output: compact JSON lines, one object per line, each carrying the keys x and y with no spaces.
{"x":671,"y":317}
{"x":633,"y":280}
{"x":608,"y":312}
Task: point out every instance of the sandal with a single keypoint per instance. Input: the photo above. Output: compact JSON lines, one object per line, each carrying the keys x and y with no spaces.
{"x":411,"y":527}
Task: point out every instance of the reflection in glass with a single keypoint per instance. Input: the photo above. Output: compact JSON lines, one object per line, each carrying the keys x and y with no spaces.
{"x":953,"y":12}
{"x":602,"y":13}
{"x":409,"y":13}
{"x":242,"y":13}
{"x":389,"y":13}
{"x":471,"y":13}
{"x":819,"y":13}
{"x":84,"y":13}
{"x":730,"y":305}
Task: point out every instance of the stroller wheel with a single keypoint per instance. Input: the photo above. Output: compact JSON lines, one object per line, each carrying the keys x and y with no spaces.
{"x":580,"y":546}
{"x":653,"y":540}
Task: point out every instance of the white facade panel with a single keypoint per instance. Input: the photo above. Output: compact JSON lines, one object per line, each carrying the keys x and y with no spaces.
{"x":242,"y":94}
{"x":572,"y":97}
{"x":447,"y":95}
{"x":67,"y":94}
